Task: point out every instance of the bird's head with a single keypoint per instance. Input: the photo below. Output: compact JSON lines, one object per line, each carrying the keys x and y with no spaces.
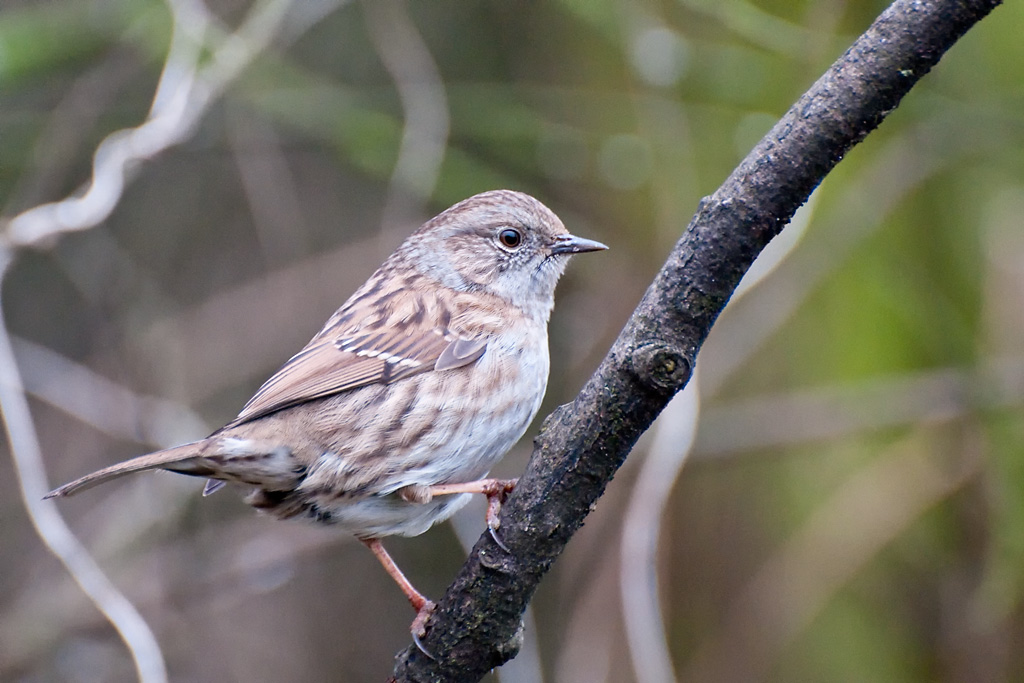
{"x":502,"y":242}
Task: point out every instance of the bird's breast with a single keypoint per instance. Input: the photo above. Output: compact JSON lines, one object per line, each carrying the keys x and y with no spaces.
{"x":360,"y":447}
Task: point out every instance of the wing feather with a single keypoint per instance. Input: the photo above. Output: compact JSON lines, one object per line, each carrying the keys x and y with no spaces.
{"x":460,"y":352}
{"x":334,"y":362}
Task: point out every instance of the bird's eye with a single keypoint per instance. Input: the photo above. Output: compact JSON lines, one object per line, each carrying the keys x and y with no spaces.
{"x":510,"y":238}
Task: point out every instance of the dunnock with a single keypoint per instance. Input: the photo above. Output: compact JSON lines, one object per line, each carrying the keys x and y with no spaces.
{"x":387,"y":420}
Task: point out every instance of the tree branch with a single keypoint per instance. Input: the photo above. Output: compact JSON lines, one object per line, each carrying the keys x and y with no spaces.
{"x":581,"y":445}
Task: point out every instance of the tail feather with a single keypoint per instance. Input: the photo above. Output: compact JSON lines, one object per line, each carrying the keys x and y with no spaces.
{"x":183,"y":459}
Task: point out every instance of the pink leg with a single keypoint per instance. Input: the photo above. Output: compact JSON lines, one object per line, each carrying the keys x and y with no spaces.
{"x":496,"y":490}
{"x":421,"y":604}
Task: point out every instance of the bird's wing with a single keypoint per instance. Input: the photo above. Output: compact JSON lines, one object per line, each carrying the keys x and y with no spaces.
{"x":333,"y":363}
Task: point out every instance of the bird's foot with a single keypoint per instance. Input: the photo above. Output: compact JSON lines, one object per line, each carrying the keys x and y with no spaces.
{"x":419,"y":626}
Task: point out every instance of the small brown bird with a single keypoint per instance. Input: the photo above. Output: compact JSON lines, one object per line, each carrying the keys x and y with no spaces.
{"x":388,"y":419}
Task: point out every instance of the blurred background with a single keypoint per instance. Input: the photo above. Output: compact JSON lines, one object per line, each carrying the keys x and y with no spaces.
{"x":852,"y":502}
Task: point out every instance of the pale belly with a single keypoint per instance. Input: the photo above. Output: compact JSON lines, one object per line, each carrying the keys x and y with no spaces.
{"x":435,"y":428}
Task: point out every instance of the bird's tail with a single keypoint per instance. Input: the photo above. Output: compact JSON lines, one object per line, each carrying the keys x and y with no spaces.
{"x":185,"y":459}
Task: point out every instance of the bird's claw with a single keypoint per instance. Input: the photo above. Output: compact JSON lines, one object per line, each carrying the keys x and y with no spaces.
{"x":493,"y":531}
{"x":419,"y":627}
{"x":497,"y":493}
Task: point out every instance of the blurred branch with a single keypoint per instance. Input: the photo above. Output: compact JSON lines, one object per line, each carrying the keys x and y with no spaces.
{"x":270,"y":187}
{"x":675,"y":433}
{"x":897,"y":170}
{"x":51,"y":527}
{"x":420,"y":88}
{"x":836,"y":412}
{"x":201,"y":62}
{"x":186,"y":89}
{"x":476,"y":625}
{"x":866,"y":513}
{"x":67,"y":128}
{"x":102,"y":404}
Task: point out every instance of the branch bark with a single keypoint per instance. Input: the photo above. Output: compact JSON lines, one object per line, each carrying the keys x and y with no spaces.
{"x":476,"y":626}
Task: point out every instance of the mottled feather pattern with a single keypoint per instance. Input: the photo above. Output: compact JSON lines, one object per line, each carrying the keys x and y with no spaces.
{"x":431,"y":428}
{"x":427,"y":375}
{"x":373,"y":338}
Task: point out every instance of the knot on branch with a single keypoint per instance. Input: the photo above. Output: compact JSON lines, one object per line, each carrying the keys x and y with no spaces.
{"x":661,"y":367}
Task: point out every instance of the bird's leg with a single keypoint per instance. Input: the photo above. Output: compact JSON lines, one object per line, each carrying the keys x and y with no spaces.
{"x":496,"y":490}
{"x":419,"y":602}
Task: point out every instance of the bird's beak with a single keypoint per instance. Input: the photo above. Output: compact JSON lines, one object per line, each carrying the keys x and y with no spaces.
{"x":570,"y":244}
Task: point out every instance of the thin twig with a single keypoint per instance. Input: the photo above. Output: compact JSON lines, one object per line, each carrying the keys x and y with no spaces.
{"x":104,"y":405}
{"x":846,"y":411}
{"x":51,"y":527}
{"x":674,"y":437}
{"x":184,"y":92}
{"x":641,"y":535}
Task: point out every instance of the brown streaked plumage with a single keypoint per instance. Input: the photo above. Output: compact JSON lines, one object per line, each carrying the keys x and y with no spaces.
{"x":389,"y":418}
